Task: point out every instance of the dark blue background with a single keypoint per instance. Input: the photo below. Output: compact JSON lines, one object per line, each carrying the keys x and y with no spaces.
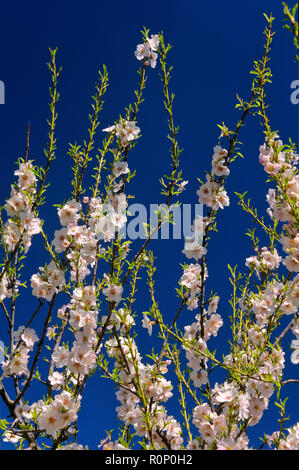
{"x":214,"y":45}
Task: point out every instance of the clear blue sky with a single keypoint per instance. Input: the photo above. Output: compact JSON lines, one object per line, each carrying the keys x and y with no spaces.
{"x":214,"y":45}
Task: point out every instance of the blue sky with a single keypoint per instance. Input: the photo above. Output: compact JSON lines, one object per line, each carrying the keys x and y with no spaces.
{"x":214,"y":45}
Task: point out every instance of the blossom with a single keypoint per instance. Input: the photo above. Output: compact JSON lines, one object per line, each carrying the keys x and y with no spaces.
{"x":29,"y":337}
{"x":181,"y":186}
{"x":68,"y":214}
{"x":30,"y":223}
{"x":270,"y":259}
{"x":199,"y":377}
{"x":147,"y":50}
{"x":147,"y":323}
{"x":60,"y":356}
{"x":292,"y":261}
{"x":109,"y":129}
{"x":120,"y":168}
{"x":26,"y":176}
{"x":193,"y":445}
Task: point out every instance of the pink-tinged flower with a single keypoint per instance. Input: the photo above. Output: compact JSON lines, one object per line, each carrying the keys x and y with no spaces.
{"x":126,"y":131}
{"x":227,"y":443}
{"x":31,"y":224}
{"x":18,"y":364}
{"x":207,"y":432}
{"x":243,"y":403}
{"x":29,"y":337}
{"x":68,"y":214}
{"x":256,"y":409}
{"x":292,"y":261}
{"x":60,"y":356}
{"x":26,"y":176}
{"x":220,"y":425}
{"x":9,"y":436}
{"x":270,"y":260}
{"x":199,"y":377}
{"x":295,"y":353}
{"x":109,"y":129}
{"x":213,"y":324}
{"x":50,"y":420}
{"x":213,"y":305}
{"x":56,"y":380}
{"x":194,"y":250}
{"x":113,"y":293}
{"x":120,"y":168}
{"x":181,"y":186}
{"x":193,"y":445}
{"x":60,"y":241}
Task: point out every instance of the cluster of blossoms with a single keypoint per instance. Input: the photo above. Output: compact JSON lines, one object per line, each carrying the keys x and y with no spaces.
{"x":82,"y":315}
{"x":193,"y":245}
{"x":266,"y":261}
{"x":134,"y":377}
{"x":191,"y":279}
{"x":79,"y":240}
{"x":213,"y":195}
{"x":196,"y":335}
{"x":48,"y":282}
{"x":17,"y":362}
{"x":113,"y":292}
{"x":280,"y":163}
{"x":220,"y":420}
{"x":281,"y":166}
{"x":58,"y":414}
{"x":275,"y":296}
{"x":285,"y":442}
{"x":148,"y":49}
{"x":22,"y":222}
{"x":51,"y":417}
{"x":233,"y":403}
{"x":125,"y":131}
{"x":295,"y":342}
